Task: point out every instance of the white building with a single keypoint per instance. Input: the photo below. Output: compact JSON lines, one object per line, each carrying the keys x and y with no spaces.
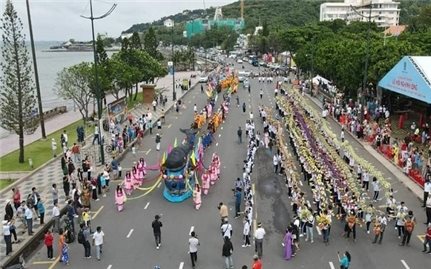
{"x":168,"y":23}
{"x":383,"y":12}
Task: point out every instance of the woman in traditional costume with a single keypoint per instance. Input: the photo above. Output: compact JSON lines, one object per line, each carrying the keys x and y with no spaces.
{"x":205,"y":182}
{"x":287,"y":243}
{"x":119,"y":198}
{"x":197,"y":196}
{"x":135,"y":177}
{"x":142,"y":167}
{"x":128,"y":183}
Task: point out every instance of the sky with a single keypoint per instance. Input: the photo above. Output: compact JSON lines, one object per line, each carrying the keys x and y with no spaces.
{"x":60,"y":20}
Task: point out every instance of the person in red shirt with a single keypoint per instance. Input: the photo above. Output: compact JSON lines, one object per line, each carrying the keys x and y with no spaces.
{"x":257,"y":263}
{"x":49,"y":238}
{"x":427,"y":240}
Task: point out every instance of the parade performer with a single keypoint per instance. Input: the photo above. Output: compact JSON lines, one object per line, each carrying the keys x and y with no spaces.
{"x":135,"y":177}
{"x":119,"y":198}
{"x":128,"y":183}
{"x":205,"y":182}
{"x":217,"y":164}
{"x":197,"y":196}
{"x":142,"y":167}
{"x":212,"y":174}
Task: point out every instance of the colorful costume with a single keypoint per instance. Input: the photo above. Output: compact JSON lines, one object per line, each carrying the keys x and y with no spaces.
{"x":197,"y":196}
{"x":119,"y":199}
{"x":205,"y":183}
{"x":128,"y":184}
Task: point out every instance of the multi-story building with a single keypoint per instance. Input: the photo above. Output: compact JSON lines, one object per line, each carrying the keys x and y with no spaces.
{"x":383,"y":12}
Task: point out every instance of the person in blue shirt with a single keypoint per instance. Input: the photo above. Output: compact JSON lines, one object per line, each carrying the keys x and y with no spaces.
{"x":41,"y":210}
{"x":345,"y":260}
{"x":237,"y":202}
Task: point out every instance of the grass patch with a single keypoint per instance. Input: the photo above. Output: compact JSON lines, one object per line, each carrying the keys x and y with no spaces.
{"x":4,"y":183}
{"x":139,"y":100}
{"x":39,"y":151}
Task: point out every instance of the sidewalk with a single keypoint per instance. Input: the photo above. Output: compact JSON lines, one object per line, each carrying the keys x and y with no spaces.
{"x":396,"y":171}
{"x":10,"y":142}
{"x":52,"y":172}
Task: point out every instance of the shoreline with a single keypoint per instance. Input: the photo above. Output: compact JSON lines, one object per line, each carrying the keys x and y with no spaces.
{"x":9,"y":143}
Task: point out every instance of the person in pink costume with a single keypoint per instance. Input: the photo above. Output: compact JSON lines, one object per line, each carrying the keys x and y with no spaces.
{"x":216,"y":162}
{"x":205,"y":182}
{"x":213,"y":174}
{"x":128,"y":183}
{"x":140,"y":174}
{"x":197,"y":196}
{"x":210,"y":109}
{"x":142,"y":166}
{"x":135,"y":176}
{"x":119,"y":198}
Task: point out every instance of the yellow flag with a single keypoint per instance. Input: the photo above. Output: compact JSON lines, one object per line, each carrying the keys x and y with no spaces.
{"x":193,"y":158}
{"x":163,"y":158}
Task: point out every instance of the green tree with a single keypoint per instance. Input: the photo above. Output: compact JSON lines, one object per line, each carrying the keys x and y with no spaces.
{"x":151,"y":44}
{"x":103,"y":66}
{"x":135,"y":41}
{"x":17,"y":104}
{"x":74,"y":83}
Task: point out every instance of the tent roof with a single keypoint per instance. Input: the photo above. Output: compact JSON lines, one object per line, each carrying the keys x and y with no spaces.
{"x":411,"y":77}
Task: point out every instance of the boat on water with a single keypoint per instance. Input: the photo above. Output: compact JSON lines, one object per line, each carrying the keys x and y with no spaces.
{"x":75,"y":46}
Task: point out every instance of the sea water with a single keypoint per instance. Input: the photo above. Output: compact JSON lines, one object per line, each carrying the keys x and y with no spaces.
{"x":49,"y":64}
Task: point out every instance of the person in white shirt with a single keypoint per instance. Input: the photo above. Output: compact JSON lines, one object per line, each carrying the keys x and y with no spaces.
{"x":195,"y":108}
{"x":56,"y":217}
{"x":54,"y":147}
{"x":154,"y":103}
{"x":226,"y":229}
{"x":98,"y":237}
{"x":275,"y":161}
{"x":427,"y":190}
{"x":246,"y":232}
{"x":258,"y":240}
{"x":193,"y":248}
{"x":7,"y":236}
{"x":376,"y":189}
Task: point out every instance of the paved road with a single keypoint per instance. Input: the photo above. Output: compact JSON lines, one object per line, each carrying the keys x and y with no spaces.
{"x":52,"y":173}
{"x":273,"y":209}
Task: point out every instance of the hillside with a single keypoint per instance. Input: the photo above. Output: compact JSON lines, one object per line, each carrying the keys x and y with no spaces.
{"x":275,"y":13}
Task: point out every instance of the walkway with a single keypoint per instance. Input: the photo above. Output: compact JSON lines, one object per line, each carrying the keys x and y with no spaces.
{"x":10,"y":142}
{"x":52,"y":173}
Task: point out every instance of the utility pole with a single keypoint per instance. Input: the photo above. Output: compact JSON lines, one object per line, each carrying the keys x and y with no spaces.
{"x":367,"y":57}
{"x":97,"y":89}
{"x":36,"y":73}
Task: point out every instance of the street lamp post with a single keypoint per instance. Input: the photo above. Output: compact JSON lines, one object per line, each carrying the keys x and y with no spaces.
{"x":36,"y":74}
{"x":174,"y":94}
{"x":98,"y":92}
{"x":367,"y":58}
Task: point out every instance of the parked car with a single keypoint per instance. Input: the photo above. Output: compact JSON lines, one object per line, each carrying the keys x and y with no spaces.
{"x":203,"y":79}
{"x":240,"y":61}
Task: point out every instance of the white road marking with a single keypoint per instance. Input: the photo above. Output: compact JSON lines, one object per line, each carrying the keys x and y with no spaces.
{"x":300,"y":183}
{"x":191,"y":230}
{"x":160,"y":184}
{"x":109,"y":266}
{"x":217,"y":144}
{"x":219,"y":135}
{"x":405,"y":264}
{"x":130,"y":233}
{"x":148,"y":151}
{"x":181,"y":265}
{"x":221,"y":127}
{"x":331,"y":265}
{"x":146,"y":206}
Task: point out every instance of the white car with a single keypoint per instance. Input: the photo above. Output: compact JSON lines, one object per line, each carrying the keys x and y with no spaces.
{"x":239,"y":61}
{"x":244,"y":73}
{"x":241,"y":79}
{"x":203,"y":79}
